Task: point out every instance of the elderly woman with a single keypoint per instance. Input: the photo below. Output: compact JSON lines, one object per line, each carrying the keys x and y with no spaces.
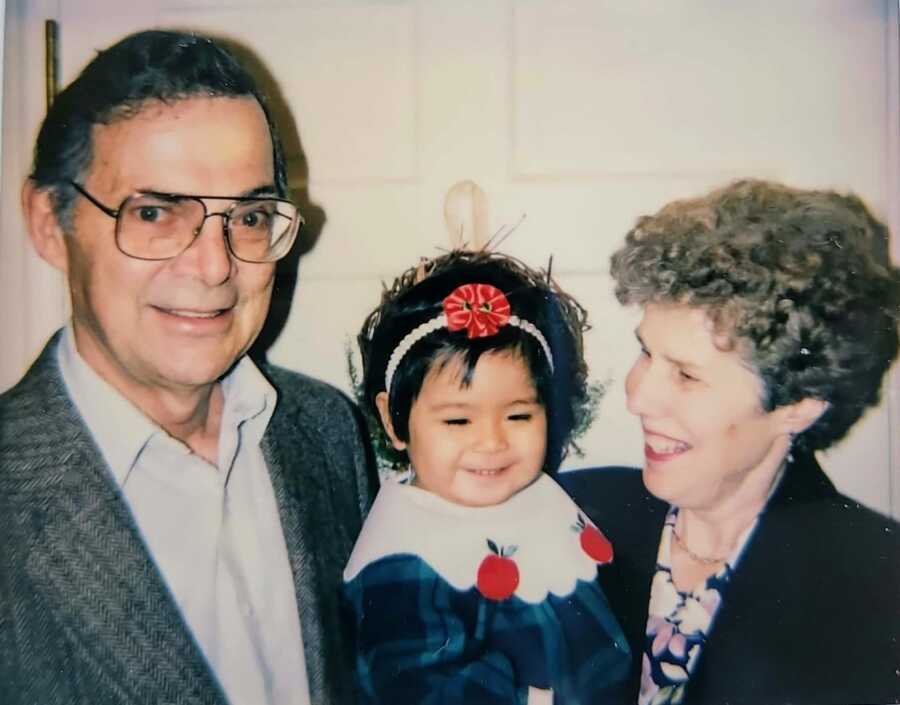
{"x":741,"y":575}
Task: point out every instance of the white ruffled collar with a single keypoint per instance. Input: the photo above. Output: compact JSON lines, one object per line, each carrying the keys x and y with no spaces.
{"x":540,"y":529}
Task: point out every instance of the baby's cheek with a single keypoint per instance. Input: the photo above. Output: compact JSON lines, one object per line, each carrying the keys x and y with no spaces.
{"x":732,"y":430}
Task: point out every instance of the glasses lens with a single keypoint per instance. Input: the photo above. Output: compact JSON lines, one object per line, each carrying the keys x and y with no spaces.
{"x":155,"y":227}
{"x":262,"y":230}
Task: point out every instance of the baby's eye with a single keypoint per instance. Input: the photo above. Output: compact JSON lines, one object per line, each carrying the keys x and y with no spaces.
{"x":644,"y":352}
{"x":524,"y":416}
{"x":685,"y":377}
{"x":456,"y":422}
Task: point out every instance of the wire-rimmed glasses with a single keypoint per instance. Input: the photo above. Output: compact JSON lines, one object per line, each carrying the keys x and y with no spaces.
{"x":160,"y":226}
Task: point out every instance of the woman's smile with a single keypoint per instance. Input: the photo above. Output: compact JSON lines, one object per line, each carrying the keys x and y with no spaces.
{"x":660,"y":448}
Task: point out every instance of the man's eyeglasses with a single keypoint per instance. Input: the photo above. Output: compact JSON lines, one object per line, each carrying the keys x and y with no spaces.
{"x":159,"y":226}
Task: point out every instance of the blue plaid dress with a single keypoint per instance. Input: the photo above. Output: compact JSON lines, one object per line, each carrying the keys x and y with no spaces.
{"x":434,"y":626}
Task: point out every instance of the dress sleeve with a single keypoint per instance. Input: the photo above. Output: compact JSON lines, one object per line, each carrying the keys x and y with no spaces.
{"x":420,"y":641}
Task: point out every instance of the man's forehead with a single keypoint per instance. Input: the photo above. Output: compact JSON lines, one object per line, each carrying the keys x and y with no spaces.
{"x":183,"y":145}
{"x":154,"y":110}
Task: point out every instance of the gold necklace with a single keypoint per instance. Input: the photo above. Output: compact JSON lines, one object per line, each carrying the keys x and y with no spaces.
{"x":705,"y":560}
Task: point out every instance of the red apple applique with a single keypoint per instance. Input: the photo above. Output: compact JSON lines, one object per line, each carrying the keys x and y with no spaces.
{"x":498,"y":575}
{"x":593,"y":542}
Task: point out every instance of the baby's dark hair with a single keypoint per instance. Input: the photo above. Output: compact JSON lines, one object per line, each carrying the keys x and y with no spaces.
{"x":417,"y":296}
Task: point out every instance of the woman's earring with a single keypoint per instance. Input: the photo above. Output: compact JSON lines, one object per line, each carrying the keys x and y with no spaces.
{"x":790,"y":453}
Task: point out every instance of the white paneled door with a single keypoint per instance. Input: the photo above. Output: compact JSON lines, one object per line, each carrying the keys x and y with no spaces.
{"x":578,"y":116}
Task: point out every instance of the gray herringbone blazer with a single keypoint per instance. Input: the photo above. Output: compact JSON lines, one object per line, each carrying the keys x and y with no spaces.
{"x":85,"y":617}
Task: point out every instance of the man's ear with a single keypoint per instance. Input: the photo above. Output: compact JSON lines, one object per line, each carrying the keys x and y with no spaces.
{"x":797,"y":417}
{"x":381,"y":401}
{"x":44,"y":229}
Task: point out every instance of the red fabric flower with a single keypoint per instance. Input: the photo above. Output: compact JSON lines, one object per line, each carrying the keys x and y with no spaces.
{"x":481,"y":309}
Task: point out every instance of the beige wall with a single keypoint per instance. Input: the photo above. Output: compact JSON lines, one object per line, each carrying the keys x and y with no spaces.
{"x":579,"y":115}
{"x":2,"y":14}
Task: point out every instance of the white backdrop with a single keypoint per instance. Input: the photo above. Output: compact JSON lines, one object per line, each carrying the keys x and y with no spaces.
{"x":580,"y":115}
{"x":2,"y":14}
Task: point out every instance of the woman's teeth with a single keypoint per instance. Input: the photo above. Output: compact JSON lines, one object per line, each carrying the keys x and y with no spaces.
{"x":665,"y":447}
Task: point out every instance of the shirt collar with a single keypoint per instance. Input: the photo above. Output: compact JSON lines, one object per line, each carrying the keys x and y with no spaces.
{"x":122,"y":431}
{"x":249,"y":404}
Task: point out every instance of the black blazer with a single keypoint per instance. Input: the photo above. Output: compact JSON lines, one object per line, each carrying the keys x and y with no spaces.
{"x":85,"y":616}
{"x":812,"y":615}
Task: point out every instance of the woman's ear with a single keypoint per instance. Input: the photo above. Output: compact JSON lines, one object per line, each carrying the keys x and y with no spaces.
{"x":799,"y":416}
{"x":44,"y":229}
{"x":381,"y":401}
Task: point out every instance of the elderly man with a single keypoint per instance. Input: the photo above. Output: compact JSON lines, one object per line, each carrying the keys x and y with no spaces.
{"x":173,"y":519}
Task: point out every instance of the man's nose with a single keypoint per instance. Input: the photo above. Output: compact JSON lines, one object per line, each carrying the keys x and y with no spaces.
{"x":209,"y":254}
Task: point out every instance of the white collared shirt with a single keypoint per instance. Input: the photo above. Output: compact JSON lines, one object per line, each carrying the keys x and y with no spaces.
{"x":214,"y":533}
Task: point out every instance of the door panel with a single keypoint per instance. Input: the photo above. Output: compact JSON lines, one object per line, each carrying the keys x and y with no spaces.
{"x":579,"y":116}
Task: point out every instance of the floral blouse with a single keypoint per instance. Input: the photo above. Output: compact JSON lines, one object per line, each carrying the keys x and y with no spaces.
{"x":678,"y":622}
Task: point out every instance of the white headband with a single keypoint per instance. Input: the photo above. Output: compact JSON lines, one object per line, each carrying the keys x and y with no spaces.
{"x":480,"y":309}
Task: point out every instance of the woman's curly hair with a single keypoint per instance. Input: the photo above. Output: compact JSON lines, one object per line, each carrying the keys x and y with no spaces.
{"x":798,"y":281}
{"x":417,"y":295}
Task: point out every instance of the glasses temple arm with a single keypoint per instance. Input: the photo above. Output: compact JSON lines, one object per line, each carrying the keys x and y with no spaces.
{"x":112,"y":213}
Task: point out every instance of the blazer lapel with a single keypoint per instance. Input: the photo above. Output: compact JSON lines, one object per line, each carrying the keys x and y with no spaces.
{"x":745,"y":641}
{"x":636,"y":542}
{"x":103,"y":589}
{"x":294,"y":455}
